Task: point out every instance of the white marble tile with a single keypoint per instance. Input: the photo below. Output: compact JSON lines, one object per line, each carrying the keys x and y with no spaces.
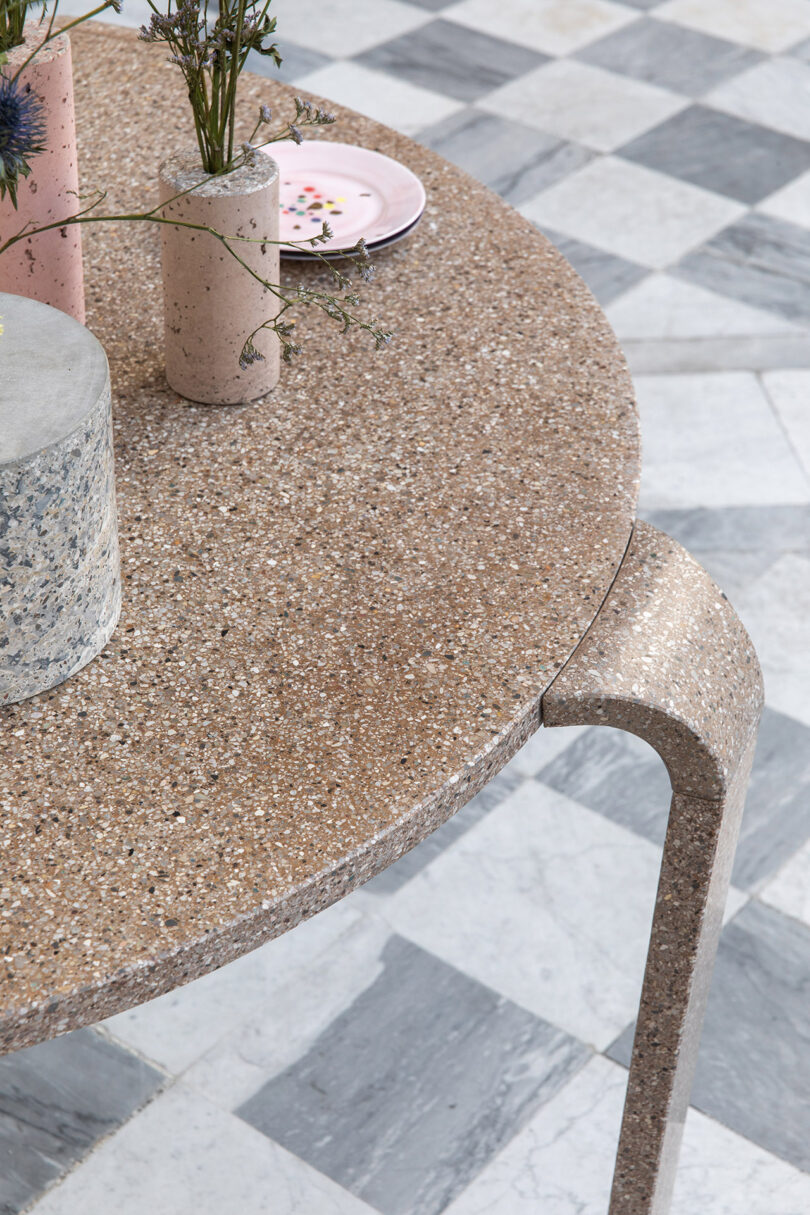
{"x":544,"y":746}
{"x":632,"y":211}
{"x":766,"y":25}
{"x":735,"y":901}
{"x":665,"y":308}
{"x":775,"y":93}
{"x":133,"y":12}
{"x":790,"y":393}
{"x":544,"y":25}
{"x":789,"y":891}
{"x":585,"y":104}
{"x":183,"y":1156}
{"x":400,"y":105}
{"x":792,"y":202}
{"x":700,"y":356}
{"x":562,"y":1163}
{"x":713,"y":440}
{"x":281,"y":1032}
{"x":548,"y":903}
{"x":776,"y":611}
{"x":179,"y":1027}
{"x":343,"y":28}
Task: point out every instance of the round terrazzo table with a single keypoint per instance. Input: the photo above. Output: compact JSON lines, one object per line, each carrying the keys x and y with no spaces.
{"x":346,"y":606}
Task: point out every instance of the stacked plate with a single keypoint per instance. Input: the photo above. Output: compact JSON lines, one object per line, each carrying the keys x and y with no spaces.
{"x":358,"y":192}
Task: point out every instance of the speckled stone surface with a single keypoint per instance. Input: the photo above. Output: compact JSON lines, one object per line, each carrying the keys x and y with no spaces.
{"x":668,"y":659}
{"x":60,"y":586}
{"x":211,"y":304}
{"x":341,"y":605}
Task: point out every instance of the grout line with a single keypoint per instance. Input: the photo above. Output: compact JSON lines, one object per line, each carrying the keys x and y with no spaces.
{"x":780,"y":423}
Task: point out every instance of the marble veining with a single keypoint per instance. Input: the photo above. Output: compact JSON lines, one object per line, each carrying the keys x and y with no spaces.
{"x":57,"y":1099}
{"x":380,"y":1104}
{"x":753,"y":1070}
{"x":760,"y":260}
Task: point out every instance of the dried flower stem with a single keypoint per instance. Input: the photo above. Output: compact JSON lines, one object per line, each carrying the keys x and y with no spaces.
{"x":211,"y":49}
{"x":335,"y":305}
{"x":13,"y":16}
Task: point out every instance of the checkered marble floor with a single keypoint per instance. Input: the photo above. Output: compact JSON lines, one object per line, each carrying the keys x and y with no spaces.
{"x":454,"y":1037}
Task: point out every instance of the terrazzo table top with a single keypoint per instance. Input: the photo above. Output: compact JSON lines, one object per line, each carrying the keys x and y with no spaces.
{"x":341,"y":605}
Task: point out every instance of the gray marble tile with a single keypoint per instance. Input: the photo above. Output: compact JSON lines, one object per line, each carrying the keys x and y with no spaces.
{"x":670,"y":56}
{"x":514,"y":160}
{"x":753,"y":1072}
{"x":395,"y":876}
{"x":296,"y":61}
{"x":617,"y":775}
{"x":643,"y":4}
{"x":773,"y":529}
{"x":735,"y":571}
{"x":721,"y":153}
{"x":776,"y":821}
{"x":758,"y":259}
{"x":407,"y":1095}
{"x":801,"y":51}
{"x":433,"y":6}
{"x":620,"y":777}
{"x":697,"y":356}
{"x":56,"y":1101}
{"x":606,"y":274}
{"x":737,"y":544}
{"x":451,"y":59}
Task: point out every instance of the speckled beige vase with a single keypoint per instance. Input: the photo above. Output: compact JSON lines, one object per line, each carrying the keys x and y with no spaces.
{"x":212,"y":304}
{"x":48,"y":267}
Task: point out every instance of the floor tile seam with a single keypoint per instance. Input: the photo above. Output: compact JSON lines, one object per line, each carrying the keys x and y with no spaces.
{"x":573,"y":57}
{"x":747,"y":894}
{"x":590,"y":1048}
{"x":745,"y":208}
{"x":108,"y":1035}
{"x":703,"y":1113}
{"x":441,"y":15}
{"x":56,"y":1182}
{"x":701,"y":243}
{"x":783,"y":428}
{"x":729,"y":112}
{"x":769,"y":1151}
{"x":673,"y":19}
{"x":744,"y":261}
{"x":365,"y":912}
{"x":660,"y":358}
{"x":757,"y":896}
{"x":706,"y":104}
{"x":715,"y":339}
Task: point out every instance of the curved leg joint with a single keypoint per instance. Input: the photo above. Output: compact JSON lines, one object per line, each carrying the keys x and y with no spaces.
{"x":668,"y":659}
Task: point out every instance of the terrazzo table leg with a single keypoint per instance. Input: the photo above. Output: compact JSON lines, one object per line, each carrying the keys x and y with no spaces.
{"x":668,"y":659}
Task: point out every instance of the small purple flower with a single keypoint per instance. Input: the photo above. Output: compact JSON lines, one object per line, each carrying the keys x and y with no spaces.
{"x":22,"y":134}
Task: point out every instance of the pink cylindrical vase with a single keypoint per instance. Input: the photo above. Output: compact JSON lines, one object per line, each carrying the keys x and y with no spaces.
{"x":47,"y":267}
{"x":212,"y":304}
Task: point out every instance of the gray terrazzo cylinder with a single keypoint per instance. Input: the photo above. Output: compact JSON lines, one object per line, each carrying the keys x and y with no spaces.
{"x":60,"y":585}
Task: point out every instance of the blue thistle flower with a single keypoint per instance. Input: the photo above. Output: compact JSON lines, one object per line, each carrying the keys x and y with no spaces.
{"x":22,"y":134}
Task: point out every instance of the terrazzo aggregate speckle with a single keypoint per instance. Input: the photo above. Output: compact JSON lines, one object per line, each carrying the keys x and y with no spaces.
{"x":342,"y":604}
{"x":60,"y":585}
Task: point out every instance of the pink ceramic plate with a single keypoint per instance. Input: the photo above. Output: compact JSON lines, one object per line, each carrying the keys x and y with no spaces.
{"x":358,"y":192}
